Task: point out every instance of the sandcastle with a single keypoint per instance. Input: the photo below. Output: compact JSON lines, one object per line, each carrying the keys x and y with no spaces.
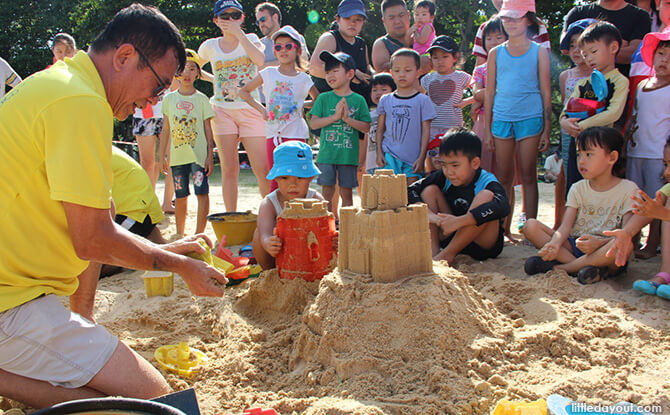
{"x":386,"y":238}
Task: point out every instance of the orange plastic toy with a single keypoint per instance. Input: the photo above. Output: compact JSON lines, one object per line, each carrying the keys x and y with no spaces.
{"x":307,"y":231}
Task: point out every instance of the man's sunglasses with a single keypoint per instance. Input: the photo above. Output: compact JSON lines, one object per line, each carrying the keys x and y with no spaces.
{"x":162,"y":88}
{"x":231,"y":15}
{"x":261,"y":20}
{"x":288,"y":46}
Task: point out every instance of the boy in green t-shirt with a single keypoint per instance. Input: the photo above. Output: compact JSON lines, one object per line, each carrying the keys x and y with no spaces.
{"x":187,"y":126}
{"x":340,"y":114}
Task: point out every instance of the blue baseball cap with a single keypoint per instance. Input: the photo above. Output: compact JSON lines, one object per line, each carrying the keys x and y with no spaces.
{"x":222,"y":5}
{"x":348,"y":8}
{"x":575,"y":27}
{"x":293,"y":158}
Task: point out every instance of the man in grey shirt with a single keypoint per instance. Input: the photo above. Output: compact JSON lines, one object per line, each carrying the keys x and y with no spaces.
{"x":268,"y":19}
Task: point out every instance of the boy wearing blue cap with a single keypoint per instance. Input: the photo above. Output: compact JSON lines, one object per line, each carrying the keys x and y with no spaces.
{"x":293,"y":170}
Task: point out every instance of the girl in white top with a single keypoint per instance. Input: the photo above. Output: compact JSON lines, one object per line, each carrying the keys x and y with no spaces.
{"x":285,"y":88}
{"x":235,"y":58}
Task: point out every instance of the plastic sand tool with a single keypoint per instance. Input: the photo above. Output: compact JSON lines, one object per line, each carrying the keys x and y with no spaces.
{"x":560,"y":405}
{"x":506,"y":407}
{"x":180,"y":359}
{"x":586,"y":107}
{"x":158,"y":283}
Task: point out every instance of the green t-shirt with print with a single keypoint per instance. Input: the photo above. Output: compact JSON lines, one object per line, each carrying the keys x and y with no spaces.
{"x":339,"y":140}
{"x":187,"y":115}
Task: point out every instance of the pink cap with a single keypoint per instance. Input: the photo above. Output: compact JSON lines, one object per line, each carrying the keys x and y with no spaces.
{"x":516,"y":8}
{"x":650,"y":43}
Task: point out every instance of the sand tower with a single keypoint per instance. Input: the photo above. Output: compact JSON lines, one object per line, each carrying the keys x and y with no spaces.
{"x":386,"y":238}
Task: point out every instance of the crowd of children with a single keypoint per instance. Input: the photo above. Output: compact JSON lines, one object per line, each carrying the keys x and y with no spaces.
{"x":412,"y":123}
{"x":413,"y":126}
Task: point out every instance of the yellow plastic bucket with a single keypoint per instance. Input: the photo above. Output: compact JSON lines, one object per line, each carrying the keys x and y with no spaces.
{"x":237,"y":227}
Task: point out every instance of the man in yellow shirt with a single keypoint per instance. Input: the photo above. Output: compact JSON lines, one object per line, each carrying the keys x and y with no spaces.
{"x":56,"y":130}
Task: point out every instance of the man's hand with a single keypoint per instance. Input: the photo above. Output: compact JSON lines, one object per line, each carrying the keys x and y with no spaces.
{"x":189,"y":244}
{"x":571,"y":126}
{"x":363,"y":77}
{"x":622,"y":247}
{"x":200,"y":278}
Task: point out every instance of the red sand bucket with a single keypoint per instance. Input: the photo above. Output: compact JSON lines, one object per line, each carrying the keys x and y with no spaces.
{"x":307,"y":232}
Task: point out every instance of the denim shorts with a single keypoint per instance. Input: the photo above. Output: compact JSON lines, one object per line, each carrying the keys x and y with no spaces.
{"x":517,"y":129}
{"x":399,"y":166}
{"x":573,"y":243}
{"x":344,"y":175}
{"x":180,"y":176}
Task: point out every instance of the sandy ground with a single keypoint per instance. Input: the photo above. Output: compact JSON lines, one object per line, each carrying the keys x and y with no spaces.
{"x":450,"y":343}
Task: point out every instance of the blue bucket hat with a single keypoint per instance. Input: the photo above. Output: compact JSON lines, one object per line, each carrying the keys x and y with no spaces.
{"x":293,"y":158}
{"x":222,"y":5}
{"x":348,"y":8}
{"x":575,"y":27}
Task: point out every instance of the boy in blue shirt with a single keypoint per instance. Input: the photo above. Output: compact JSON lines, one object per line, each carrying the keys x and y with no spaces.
{"x":466,"y":205}
{"x":340,"y":114}
{"x":403,"y":126}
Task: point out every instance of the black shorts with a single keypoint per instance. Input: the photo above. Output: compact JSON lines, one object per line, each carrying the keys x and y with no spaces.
{"x":477,"y":252}
{"x":143,"y":229}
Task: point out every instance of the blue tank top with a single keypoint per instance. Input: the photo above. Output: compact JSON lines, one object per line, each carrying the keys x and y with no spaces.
{"x":517,"y":95}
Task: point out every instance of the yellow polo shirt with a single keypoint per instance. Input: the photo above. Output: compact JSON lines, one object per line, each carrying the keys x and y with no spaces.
{"x":56,"y":130}
{"x":132,"y":192}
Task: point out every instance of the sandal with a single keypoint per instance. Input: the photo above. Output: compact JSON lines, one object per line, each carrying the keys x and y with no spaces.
{"x":652,"y":287}
{"x":591,"y":275}
{"x":537,"y":265}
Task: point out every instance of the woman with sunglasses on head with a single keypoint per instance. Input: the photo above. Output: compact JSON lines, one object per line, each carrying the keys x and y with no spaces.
{"x":235,"y":58}
{"x":285,"y":87}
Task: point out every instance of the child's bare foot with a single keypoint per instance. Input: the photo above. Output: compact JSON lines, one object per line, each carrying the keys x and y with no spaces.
{"x":645,"y":253}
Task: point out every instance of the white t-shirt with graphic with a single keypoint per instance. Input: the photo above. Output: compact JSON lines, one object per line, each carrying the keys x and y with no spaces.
{"x":599,"y":211}
{"x":285,"y":97}
{"x":231,"y":70}
{"x":371,"y":152}
{"x":8,"y":76}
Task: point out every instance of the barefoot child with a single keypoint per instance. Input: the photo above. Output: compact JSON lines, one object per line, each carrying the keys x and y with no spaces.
{"x":466,"y":205}
{"x":187,"y":127}
{"x":403,"y":127}
{"x":601,"y":202}
{"x":517,"y":103}
{"x":285,"y":88}
{"x":423,"y":31}
{"x":293,"y":170}
{"x":341,"y":114}
{"x":658,"y":208}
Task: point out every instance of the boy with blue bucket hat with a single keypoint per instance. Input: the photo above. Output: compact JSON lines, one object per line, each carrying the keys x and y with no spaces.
{"x":293,"y":170}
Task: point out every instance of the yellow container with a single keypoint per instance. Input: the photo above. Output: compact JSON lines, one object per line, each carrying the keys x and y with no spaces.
{"x":237,"y":227}
{"x":158,"y":283}
{"x":180,"y":359}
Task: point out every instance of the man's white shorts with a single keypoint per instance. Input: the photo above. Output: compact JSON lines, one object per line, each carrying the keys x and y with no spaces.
{"x":43,"y":340}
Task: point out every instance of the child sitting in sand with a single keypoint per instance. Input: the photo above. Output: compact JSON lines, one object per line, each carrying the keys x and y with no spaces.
{"x":466,"y":205}
{"x":601,"y":202}
{"x":293,"y":170}
{"x":658,"y":208}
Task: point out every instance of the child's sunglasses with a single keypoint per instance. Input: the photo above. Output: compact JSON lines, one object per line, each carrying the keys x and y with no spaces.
{"x":231,"y":15}
{"x":288,"y":46}
{"x":433,"y":152}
